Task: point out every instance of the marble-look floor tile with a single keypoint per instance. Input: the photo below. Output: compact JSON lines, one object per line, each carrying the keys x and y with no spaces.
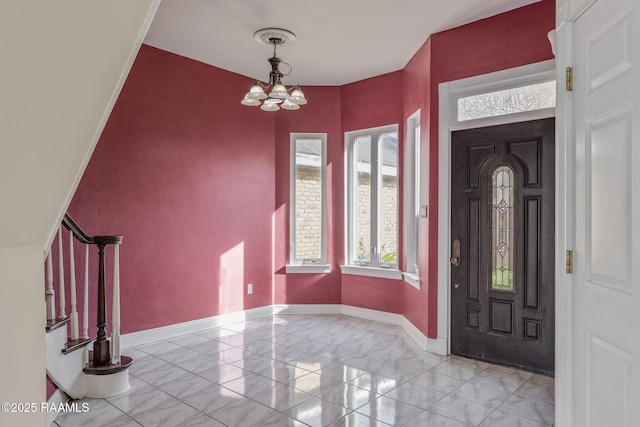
{"x":212,"y":347}
{"x":189,"y":340}
{"x":231,"y":355}
{"x":242,"y":413}
{"x":214,"y":333}
{"x":389,"y":410}
{"x":147,"y":364}
{"x":185,"y":386}
{"x":537,"y":391}
{"x":300,"y":370}
{"x":178,"y":355}
{"x":438,"y":382}
{"x":282,"y":372}
{"x":200,"y":363}
{"x":455,"y":369}
{"x":222,"y":374}
{"x":461,"y":410}
{"x":281,"y":397}
{"x":317,"y":412}
{"x":483,"y":395}
{"x":348,"y":395}
{"x":313,"y":383}
{"x":171,"y":414}
{"x":100,"y":412}
{"x":255,"y":362}
{"x":141,"y":400}
{"x":431,"y":419}
{"x":377,"y":383}
{"x":415,"y":395}
{"x":163,"y":375}
{"x":497,"y":380}
{"x":212,"y":399}
{"x":280,"y":420}
{"x":158,"y":347}
{"x":340,"y":371}
{"x":512,"y":372}
{"x":400,"y":370}
{"x":354,"y":419}
{"x":543,"y":379}
{"x":250,"y":383}
{"x":504,"y":419}
{"x":235,"y":340}
{"x":202,"y":421}
{"x":530,"y":408}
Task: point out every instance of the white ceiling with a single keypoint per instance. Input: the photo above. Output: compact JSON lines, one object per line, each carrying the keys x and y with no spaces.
{"x":338,"y":41}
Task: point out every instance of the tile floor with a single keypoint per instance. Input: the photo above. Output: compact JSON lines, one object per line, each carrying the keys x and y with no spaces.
{"x":315,"y":370}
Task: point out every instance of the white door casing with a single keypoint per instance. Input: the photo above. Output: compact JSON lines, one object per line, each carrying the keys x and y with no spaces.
{"x":599,"y":131}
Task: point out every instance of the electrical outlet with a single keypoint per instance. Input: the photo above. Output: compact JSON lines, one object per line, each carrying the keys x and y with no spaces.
{"x":249,"y":288}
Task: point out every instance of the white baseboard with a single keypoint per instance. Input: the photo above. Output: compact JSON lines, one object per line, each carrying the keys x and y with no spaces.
{"x":164,"y":332}
{"x":374,"y":315}
{"x":56,"y":399}
{"x":307,"y":309}
{"x":438,"y":346}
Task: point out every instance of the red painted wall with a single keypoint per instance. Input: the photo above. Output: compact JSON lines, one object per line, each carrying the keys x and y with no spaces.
{"x":186,"y":174}
{"x":199,"y":185}
{"x":365,"y":104}
{"x":503,"y":41}
{"x":320,"y":115}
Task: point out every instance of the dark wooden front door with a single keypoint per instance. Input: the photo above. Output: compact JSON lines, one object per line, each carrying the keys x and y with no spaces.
{"x":502,"y":255}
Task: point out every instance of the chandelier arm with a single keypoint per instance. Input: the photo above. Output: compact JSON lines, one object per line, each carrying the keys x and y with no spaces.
{"x":290,"y":69}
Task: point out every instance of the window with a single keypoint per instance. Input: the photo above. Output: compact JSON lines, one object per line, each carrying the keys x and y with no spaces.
{"x":308,"y":194}
{"x":372,"y":205}
{"x":412,"y":197}
{"x":537,"y":96}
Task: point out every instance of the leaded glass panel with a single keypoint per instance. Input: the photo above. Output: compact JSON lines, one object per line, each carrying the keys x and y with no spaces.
{"x":503,"y":229}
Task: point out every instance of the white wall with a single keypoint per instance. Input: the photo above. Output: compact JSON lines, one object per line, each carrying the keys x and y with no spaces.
{"x":63,"y":65}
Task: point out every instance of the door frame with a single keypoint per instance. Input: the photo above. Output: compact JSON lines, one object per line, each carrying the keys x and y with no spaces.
{"x":449,"y":93}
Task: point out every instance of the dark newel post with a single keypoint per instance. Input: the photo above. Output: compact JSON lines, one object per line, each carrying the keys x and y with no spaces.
{"x":101,"y":353}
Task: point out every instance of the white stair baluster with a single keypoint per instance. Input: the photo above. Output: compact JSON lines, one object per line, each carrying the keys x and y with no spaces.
{"x":115,"y":315}
{"x":63,"y":313}
{"x":85,"y":309}
{"x":72,"y":289}
{"x":50,"y":294}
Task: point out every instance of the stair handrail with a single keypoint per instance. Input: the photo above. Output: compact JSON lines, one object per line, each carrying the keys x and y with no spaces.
{"x":78,"y":232}
{"x":102,"y":354}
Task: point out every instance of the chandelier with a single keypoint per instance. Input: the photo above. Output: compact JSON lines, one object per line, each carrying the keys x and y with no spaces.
{"x":274,"y":95}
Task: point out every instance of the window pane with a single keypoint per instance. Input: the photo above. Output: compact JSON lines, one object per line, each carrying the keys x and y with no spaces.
{"x":389,"y":198}
{"x":516,"y":100}
{"x":308,"y":199}
{"x":362,"y":197}
{"x":503,"y":232}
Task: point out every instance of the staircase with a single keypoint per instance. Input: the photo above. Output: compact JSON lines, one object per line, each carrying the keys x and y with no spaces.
{"x":78,"y":365}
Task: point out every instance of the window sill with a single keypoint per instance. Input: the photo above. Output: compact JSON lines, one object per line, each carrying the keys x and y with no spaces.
{"x":308,"y":268}
{"x":411,"y":279}
{"x":383,"y":273}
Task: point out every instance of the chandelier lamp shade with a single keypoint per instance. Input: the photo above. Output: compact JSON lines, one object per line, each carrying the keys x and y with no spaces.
{"x":274,"y":95}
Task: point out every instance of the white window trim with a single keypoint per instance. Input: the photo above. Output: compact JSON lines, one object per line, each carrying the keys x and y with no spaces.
{"x":303,"y":265}
{"x":362,"y":270}
{"x":500,"y":80}
{"x":449,"y":92}
{"x":412,"y":174}
{"x":412,"y":279}
{"x":349,"y":137}
{"x":308,"y":269}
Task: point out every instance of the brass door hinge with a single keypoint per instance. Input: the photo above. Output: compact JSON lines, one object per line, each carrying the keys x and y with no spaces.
{"x":569,"y":260}
{"x":569,"y":79}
